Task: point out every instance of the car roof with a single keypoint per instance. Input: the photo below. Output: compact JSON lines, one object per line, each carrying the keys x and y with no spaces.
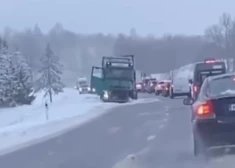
{"x":220,"y":76}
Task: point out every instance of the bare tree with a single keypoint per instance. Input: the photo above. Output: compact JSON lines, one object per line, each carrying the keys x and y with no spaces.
{"x":223,"y":35}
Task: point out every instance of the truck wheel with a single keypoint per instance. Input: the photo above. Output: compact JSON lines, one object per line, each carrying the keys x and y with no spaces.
{"x":136,"y":95}
{"x":172,"y":94}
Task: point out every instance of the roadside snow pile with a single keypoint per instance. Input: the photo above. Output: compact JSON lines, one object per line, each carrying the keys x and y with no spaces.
{"x":26,"y":125}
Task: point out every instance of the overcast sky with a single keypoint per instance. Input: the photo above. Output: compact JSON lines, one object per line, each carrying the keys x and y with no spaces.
{"x":113,"y":16}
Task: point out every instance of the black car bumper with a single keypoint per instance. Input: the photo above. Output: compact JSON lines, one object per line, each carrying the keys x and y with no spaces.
{"x":214,"y":134}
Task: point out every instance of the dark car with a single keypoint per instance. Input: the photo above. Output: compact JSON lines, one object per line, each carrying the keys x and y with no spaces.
{"x":151,"y":85}
{"x":213,"y":114}
{"x":202,"y":70}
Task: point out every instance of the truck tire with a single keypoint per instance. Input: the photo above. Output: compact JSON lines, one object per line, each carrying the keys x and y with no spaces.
{"x":134,"y":95}
{"x":172,"y":94}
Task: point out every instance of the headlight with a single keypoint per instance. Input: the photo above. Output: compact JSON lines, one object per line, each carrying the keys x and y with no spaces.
{"x":88,"y":88}
{"x":93,"y":90}
{"x":80,"y":89}
{"x":106,"y":94}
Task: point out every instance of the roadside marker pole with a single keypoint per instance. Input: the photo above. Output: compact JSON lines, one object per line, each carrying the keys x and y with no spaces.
{"x":46,"y":110}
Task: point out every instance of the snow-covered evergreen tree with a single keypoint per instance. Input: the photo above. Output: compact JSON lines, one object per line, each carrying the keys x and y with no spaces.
{"x":3,"y":77}
{"x":22,"y":79}
{"x":50,"y":71}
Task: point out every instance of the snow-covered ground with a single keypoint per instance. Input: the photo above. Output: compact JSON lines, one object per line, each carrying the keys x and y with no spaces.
{"x":26,"y":125}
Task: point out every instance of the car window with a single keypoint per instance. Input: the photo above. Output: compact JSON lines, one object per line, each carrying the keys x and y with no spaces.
{"x":204,"y":74}
{"x":221,"y":86}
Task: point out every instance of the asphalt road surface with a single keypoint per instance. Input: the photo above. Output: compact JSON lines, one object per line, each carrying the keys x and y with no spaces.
{"x":150,"y":135}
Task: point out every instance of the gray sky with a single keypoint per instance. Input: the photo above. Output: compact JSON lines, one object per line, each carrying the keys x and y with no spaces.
{"x":113,"y":16}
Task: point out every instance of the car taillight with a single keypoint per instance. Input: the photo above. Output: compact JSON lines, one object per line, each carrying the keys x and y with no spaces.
{"x":195,"y":88}
{"x":205,"y":110}
{"x":210,"y":60}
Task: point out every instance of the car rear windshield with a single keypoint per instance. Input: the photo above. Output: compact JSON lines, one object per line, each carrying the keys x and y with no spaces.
{"x":161,"y":83}
{"x":202,"y":75}
{"x":221,"y":86}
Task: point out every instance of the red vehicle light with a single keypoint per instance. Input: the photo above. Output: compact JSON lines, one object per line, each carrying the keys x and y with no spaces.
{"x":195,"y":88}
{"x":211,"y":60}
{"x":205,"y":110}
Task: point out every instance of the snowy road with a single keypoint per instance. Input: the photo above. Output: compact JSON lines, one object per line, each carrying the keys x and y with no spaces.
{"x":150,"y":135}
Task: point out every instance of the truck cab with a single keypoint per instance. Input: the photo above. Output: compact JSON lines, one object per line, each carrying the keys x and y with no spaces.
{"x":117,"y":81}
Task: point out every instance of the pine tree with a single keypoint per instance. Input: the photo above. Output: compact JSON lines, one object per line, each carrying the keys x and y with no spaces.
{"x":51,"y":70}
{"x":5,"y":78}
{"x":21,"y":74}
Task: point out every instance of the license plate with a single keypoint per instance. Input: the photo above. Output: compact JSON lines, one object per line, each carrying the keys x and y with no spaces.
{"x":232,"y":107}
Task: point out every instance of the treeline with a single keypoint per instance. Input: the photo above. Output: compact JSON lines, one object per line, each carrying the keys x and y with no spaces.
{"x":79,"y":52}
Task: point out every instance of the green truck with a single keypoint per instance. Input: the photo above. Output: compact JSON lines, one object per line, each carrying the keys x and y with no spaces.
{"x":115,"y":81}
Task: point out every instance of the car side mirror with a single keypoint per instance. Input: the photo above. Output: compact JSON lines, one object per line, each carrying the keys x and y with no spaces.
{"x":188,"y":101}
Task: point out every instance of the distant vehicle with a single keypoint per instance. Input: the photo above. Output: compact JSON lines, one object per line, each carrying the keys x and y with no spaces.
{"x":213,"y":114}
{"x":159,"y":87}
{"x":83,"y":87}
{"x":145,"y":83}
{"x":150,"y":88}
{"x":166,"y":88}
{"x":139,"y":87}
{"x":179,"y":86}
{"x":209,"y":67}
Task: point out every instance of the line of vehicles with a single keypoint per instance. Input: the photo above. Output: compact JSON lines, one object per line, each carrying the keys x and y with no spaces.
{"x":151,"y":85}
{"x":211,"y":94}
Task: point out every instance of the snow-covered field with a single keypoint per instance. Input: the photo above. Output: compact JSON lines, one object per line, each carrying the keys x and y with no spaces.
{"x":26,"y":125}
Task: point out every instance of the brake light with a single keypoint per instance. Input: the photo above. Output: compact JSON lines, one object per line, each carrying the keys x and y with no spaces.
{"x":195,"y":88}
{"x":205,"y":110}
{"x":211,"y":60}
